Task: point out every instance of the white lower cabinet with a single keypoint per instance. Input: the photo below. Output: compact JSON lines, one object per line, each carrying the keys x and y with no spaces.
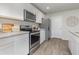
{"x":22,"y":44}
{"x":74,"y":44}
{"x":18,"y":45}
{"x":42,"y":35}
{"x":7,"y":49}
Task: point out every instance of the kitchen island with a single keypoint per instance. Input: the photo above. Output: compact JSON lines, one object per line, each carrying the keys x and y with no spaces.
{"x":74,"y":43}
{"x":14,"y":43}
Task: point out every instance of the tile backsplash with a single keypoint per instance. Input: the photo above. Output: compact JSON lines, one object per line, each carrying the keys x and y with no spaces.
{"x":15,"y":22}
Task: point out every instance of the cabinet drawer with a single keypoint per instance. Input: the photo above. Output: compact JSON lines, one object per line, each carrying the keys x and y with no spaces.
{"x":13,"y":38}
{"x":18,"y":44}
{"x":22,"y":46}
{"x":26,"y":36}
{"x":7,"y":49}
{"x":7,"y":40}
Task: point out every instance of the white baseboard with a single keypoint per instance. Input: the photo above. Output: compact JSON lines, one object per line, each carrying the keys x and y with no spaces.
{"x":63,"y":38}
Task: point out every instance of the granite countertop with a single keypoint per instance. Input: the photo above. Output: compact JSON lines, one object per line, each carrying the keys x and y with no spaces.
{"x":8,"y":34}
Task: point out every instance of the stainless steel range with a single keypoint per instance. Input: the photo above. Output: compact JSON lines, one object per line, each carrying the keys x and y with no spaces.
{"x":34,"y":41}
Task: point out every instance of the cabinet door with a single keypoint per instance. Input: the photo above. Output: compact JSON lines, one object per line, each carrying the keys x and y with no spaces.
{"x":15,"y":45}
{"x":74,"y":44}
{"x":39,"y":17}
{"x":42,"y":35}
{"x":7,"y":45}
{"x":7,"y":49}
{"x":22,"y":44}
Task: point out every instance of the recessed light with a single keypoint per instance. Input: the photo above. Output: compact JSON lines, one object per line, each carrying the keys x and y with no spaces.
{"x":47,"y":7}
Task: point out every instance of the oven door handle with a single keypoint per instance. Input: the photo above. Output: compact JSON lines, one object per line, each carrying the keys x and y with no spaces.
{"x":34,"y":33}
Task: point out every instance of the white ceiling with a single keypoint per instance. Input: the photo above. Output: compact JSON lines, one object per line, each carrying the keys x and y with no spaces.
{"x":56,"y":7}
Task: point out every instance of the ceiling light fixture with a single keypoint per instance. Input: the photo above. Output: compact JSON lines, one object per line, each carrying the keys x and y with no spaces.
{"x":47,"y":7}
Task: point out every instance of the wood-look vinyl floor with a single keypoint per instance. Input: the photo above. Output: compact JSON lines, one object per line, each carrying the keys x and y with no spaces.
{"x":54,"y":46}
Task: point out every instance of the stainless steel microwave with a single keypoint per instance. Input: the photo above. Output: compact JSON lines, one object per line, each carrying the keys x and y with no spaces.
{"x":28,"y":16}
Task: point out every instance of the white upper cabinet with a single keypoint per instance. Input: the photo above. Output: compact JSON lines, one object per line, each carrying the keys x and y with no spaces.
{"x":15,"y":11}
{"x":39,"y":16}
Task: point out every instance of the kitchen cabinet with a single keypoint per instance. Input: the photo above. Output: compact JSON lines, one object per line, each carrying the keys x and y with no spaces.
{"x":15,"y":45}
{"x":42,"y":35}
{"x":74,"y":44}
{"x":7,"y":46}
{"x":15,"y":10}
{"x":39,"y":18}
{"x":7,"y":49}
{"x":22,"y":44}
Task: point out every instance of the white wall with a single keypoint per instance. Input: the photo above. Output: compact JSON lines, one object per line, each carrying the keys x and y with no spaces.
{"x":58,"y":24}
